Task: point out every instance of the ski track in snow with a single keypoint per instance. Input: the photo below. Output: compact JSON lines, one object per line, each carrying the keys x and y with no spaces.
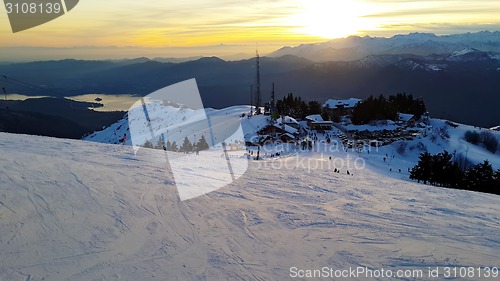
{"x":73,"y":210}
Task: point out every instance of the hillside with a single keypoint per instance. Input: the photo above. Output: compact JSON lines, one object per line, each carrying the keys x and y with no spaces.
{"x":34,"y":123}
{"x":170,"y":119}
{"x":73,"y":210}
{"x":54,"y":117}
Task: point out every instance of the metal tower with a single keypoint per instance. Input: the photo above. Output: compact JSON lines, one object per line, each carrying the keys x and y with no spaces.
{"x":258,"y":93}
{"x":273,"y":101}
{"x":251,"y":99}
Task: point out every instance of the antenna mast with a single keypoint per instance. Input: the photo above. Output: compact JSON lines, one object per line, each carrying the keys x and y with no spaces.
{"x":273,"y":101}
{"x":258,"y":93}
{"x":251,"y":99}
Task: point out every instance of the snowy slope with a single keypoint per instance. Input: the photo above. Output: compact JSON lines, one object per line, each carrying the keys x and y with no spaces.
{"x":397,"y":163}
{"x":432,"y":143}
{"x":173,"y":119}
{"x":178,"y":123}
{"x":471,"y":54}
{"x":74,"y":210}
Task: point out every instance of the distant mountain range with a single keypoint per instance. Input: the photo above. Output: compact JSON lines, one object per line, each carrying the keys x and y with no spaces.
{"x":422,"y":44}
{"x":458,"y":81}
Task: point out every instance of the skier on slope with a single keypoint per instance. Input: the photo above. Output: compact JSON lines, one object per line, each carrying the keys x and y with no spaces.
{"x":124,"y":139}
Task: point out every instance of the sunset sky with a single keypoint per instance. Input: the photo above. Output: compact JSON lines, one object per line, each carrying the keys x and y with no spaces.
{"x":177,"y":28}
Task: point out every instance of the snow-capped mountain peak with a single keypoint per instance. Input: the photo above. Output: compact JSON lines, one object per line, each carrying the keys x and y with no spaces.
{"x":471,"y":54}
{"x":464,"y":52}
{"x":424,"y":44}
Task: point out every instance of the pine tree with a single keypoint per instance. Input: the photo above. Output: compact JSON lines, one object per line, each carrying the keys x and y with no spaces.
{"x":202,"y":143}
{"x":314,"y":107}
{"x":423,"y":170}
{"x":159,"y":144}
{"x":173,"y":146}
{"x":440,"y":170}
{"x":148,"y":144}
{"x":444,"y":171}
{"x":186,"y":146}
{"x":481,"y":177}
{"x":496,"y":189}
{"x":380,"y":108}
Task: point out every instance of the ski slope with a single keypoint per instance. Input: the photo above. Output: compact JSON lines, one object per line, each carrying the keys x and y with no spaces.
{"x":75,"y":210}
{"x":434,"y":144}
{"x":178,"y":123}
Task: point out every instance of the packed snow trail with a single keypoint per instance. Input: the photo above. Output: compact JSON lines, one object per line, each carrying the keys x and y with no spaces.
{"x":73,"y":210}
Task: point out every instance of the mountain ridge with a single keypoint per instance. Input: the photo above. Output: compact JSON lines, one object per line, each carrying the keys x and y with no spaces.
{"x":466,"y":74}
{"x":356,"y":47}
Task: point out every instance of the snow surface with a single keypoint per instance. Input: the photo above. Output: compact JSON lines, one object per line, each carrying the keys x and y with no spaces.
{"x":315,"y":118}
{"x":288,"y":120}
{"x":178,"y":122}
{"x":172,"y":121}
{"x":430,"y":139}
{"x":463,"y":52}
{"x":75,"y":210}
{"x":349,"y":103}
{"x":405,"y":117}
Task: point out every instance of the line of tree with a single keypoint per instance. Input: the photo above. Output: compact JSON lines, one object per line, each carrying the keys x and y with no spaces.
{"x":442,"y":170}
{"x":381,"y":108}
{"x":486,"y":138}
{"x":186,"y":146}
{"x":407,"y":104}
{"x":297,"y":108}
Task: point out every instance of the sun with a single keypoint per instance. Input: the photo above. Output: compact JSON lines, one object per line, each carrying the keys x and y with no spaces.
{"x":329,"y":18}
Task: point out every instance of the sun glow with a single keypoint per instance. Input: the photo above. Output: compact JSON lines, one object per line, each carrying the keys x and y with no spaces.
{"x":331,"y":18}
